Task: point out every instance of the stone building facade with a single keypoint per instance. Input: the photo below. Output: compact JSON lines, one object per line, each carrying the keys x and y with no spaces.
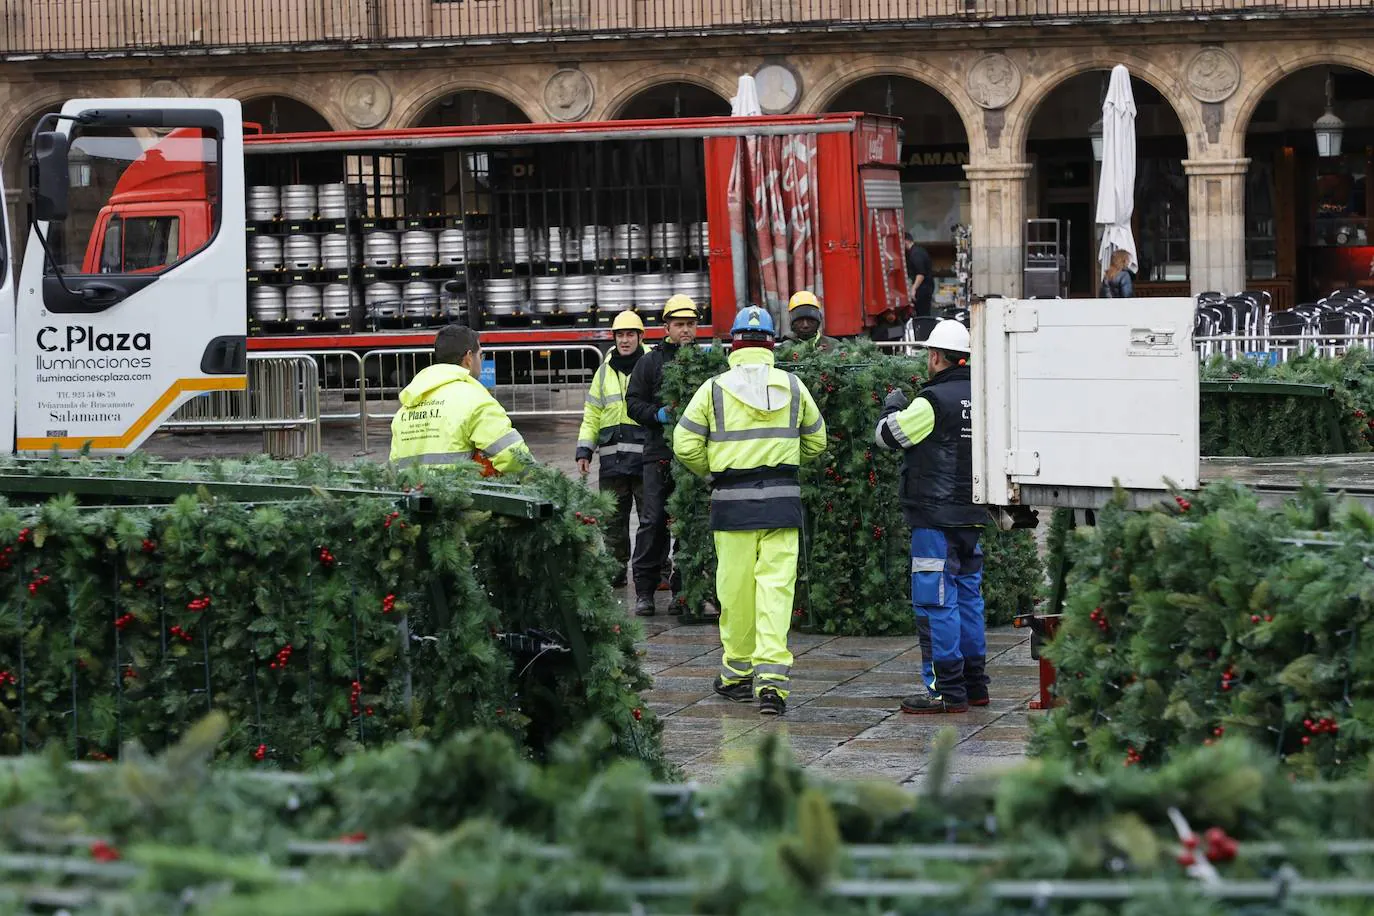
{"x":1001,"y":111}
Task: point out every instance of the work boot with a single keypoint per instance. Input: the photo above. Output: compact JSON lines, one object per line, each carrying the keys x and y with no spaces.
{"x":644,"y":605}
{"x":741,"y":692}
{"x":923,"y":704}
{"x":771,"y":702}
{"x":977,"y":698}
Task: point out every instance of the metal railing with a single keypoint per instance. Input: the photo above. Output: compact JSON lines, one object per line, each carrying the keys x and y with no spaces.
{"x":282,"y":399}
{"x":1279,"y":347}
{"x":530,"y":381}
{"x":75,"y":26}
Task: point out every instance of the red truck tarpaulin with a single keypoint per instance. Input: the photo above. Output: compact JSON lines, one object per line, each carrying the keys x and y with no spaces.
{"x":774,"y":223}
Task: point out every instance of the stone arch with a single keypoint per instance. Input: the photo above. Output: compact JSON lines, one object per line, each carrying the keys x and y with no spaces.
{"x":1034,"y":92}
{"x":411,"y":105}
{"x":1268,"y":73}
{"x":704,"y":78}
{"x":247,"y":90}
{"x":827,"y":88}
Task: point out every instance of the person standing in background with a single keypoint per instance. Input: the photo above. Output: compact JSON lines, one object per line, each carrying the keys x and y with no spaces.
{"x":645,"y":406}
{"x":608,"y":429}
{"x":804,"y":312}
{"x":920,"y":277}
{"x":1117,"y":281}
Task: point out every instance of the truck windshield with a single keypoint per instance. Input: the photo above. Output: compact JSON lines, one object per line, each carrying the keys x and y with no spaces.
{"x":117,"y":176}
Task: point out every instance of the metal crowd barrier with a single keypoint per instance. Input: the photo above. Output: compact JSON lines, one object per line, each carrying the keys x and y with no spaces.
{"x":528,"y":381}
{"x":282,"y":399}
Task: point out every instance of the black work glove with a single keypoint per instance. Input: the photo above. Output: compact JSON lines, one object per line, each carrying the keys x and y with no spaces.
{"x":896,"y":401}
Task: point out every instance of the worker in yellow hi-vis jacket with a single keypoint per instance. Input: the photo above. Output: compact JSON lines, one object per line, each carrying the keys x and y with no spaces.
{"x":608,"y":430}
{"x":448,"y":417}
{"x":748,"y":430}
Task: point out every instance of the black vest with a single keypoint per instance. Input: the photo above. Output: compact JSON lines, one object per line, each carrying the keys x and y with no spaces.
{"x":937,"y":473}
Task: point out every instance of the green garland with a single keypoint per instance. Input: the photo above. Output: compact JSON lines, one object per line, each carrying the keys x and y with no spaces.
{"x":468,"y":826}
{"x":1182,"y":627}
{"x":853,"y":578}
{"x":1277,"y":425}
{"x":123,"y":623}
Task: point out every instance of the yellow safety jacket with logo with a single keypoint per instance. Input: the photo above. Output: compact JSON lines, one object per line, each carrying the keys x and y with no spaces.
{"x":748,"y":430}
{"x":448,"y":417}
{"x":607,"y":427}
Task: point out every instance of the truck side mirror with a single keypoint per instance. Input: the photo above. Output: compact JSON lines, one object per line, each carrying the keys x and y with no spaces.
{"x":50,"y":176}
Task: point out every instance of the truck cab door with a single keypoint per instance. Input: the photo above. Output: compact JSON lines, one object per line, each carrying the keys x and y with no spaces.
{"x":105,"y":356}
{"x":1076,"y":396}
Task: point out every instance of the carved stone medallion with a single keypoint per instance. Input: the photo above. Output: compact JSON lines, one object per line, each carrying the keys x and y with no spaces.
{"x":779,"y":88}
{"x":993,"y":81}
{"x":366,"y":101}
{"x":568,"y":95}
{"x":165,"y":89}
{"x":1213,"y":75}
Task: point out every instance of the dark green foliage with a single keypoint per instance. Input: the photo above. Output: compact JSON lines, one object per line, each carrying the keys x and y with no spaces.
{"x":853,"y":578}
{"x":1264,"y":426}
{"x":118,"y":644}
{"x":470,"y":826}
{"x":1207,"y":620}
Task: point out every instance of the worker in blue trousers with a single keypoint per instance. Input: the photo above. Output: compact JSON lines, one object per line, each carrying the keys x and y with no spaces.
{"x":935,"y":432}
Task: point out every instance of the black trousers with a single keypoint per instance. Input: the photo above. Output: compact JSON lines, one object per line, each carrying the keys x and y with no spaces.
{"x":922,"y":304}
{"x":626,"y":490}
{"x":653,"y":538}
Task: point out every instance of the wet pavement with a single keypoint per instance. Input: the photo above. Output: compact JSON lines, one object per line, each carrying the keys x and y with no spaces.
{"x":843,"y":715}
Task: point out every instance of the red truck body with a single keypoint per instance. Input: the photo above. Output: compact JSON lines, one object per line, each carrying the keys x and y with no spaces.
{"x":857,"y":202}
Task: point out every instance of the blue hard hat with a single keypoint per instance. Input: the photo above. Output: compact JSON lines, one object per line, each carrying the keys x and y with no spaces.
{"x":754,"y":320}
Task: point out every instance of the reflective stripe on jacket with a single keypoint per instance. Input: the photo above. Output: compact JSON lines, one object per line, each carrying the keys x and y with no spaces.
{"x":748,"y":431}
{"x":607,"y":427}
{"x":448,"y":417}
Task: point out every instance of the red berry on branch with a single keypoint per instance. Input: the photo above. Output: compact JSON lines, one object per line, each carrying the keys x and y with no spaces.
{"x":1190,"y":841}
{"x":1268,"y":618}
{"x":1306,"y":740}
{"x":369,"y":710}
{"x":1187,"y":859}
{"x":637,"y":713}
{"x":103,"y":852}
{"x":1218,"y":731}
{"x":1254,"y":618}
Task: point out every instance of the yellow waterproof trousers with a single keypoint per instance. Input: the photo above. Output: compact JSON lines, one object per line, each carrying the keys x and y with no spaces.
{"x":756,"y":577}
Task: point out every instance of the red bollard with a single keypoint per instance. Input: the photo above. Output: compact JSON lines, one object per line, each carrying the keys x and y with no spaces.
{"x":1042,"y":629}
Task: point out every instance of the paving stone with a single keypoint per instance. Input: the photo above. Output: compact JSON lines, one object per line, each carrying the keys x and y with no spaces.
{"x":1015,"y":734}
{"x":905,"y":726}
{"x":844,"y":763}
{"x":976,"y":747}
{"x":701,"y":686}
{"x":832,"y":699}
{"x":811,"y":713}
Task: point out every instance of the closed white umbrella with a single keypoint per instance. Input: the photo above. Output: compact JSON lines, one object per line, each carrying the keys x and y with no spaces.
{"x":745,"y":104}
{"x":1116,"y":187}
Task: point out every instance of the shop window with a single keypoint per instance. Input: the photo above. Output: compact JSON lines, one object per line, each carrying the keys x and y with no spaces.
{"x":1261,"y":240}
{"x":1339,"y":192}
{"x":1162,"y":220}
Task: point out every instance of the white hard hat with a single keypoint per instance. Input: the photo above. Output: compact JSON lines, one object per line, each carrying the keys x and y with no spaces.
{"x":948,"y":335}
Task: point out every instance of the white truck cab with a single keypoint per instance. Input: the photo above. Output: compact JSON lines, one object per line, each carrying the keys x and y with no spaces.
{"x":97,"y":355}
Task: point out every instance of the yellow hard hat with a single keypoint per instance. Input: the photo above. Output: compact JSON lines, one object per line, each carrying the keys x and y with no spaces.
{"x":803,"y":297}
{"x":680,"y":306}
{"x":627,"y":321}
